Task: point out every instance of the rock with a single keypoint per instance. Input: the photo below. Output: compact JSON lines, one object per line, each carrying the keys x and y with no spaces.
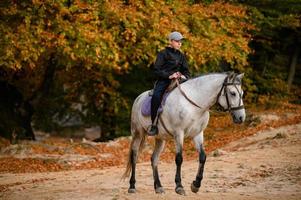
{"x":269,"y":117}
{"x":41,"y":136}
{"x":219,"y":152}
{"x":16,"y":149}
{"x":241,"y":166}
{"x":84,"y":141}
{"x":106,"y":155}
{"x":280,"y":136}
{"x":113,"y":143}
{"x":92,"y":133}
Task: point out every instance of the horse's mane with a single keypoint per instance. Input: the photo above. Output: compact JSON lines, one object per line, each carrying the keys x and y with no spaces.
{"x":211,"y":73}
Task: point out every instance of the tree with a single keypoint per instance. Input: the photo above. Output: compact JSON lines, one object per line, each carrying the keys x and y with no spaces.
{"x":66,"y":57}
{"x":36,"y":33}
{"x":276,"y":42}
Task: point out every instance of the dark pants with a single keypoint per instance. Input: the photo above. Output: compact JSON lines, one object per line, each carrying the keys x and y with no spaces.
{"x":159,"y":90}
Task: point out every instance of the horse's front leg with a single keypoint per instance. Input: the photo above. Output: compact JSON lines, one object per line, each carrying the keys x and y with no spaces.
{"x":202,"y":159}
{"x":159,"y":146}
{"x":179,"y":159}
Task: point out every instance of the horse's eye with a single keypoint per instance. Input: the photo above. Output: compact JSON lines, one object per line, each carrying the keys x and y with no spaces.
{"x":233,"y":94}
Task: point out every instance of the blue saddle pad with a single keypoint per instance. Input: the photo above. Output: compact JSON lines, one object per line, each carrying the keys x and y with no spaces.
{"x":146,"y":105}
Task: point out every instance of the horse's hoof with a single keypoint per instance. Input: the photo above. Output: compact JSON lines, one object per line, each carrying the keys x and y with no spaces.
{"x":132,"y":190}
{"x":194,"y":189}
{"x":160,"y":190}
{"x":180,"y":190}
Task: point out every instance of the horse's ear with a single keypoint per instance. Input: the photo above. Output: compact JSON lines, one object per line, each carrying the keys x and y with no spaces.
{"x":231,"y":75}
{"x":240,"y":76}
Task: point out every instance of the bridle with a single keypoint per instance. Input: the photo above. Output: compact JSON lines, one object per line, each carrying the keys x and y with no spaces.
{"x":224,"y":88}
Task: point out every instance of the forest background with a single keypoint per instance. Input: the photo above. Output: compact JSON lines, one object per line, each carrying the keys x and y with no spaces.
{"x":76,"y":64}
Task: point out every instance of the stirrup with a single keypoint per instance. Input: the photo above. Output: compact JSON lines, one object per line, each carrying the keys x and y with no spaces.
{"x":153,"y":130}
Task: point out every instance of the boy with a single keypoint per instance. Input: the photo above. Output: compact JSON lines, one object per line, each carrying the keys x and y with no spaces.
{"x":170,"y":64}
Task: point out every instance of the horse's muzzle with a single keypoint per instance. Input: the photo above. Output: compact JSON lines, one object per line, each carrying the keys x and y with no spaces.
{"x":238,"y":116}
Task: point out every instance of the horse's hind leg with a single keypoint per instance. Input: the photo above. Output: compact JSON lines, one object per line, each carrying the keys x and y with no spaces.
{"x":133,"y":157}
{"x":137,"y":143}
{"x":202,"y":159}
{"x":159,"y":146}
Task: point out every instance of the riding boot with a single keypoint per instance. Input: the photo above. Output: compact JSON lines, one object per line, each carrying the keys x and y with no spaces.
{"x":159,"y":90}
{"x":153,"y":129}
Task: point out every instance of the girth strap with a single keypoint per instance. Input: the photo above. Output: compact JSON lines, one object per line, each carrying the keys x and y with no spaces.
{"x":163,"y":124}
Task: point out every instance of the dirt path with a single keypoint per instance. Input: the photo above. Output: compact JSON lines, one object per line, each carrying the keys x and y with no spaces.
{"x":264,"y":166}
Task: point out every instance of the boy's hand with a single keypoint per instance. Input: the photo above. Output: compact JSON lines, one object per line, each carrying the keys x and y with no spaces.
{"x":175,"y":75}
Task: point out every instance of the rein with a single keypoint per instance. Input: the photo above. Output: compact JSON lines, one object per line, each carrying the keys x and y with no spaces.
{"x":186,"y":97}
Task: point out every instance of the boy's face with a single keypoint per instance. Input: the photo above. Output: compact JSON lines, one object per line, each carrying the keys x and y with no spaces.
{"x":176,"y":44}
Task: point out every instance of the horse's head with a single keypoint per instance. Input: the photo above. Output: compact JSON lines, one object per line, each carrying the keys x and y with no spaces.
{"x":230,"y":97}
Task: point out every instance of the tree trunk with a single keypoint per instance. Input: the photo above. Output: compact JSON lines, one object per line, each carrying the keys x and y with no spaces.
{"x":44,"y":88}
{"x":14,"y":115}
{"x":26,"y":116}
{"x":108,"y":125}
{"x":293,"y":68}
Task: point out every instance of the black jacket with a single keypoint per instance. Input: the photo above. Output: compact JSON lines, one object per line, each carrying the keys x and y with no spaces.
{"x":169,"y":61}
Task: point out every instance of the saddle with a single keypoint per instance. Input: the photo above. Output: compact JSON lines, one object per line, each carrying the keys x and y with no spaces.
{"x":146,"y":105}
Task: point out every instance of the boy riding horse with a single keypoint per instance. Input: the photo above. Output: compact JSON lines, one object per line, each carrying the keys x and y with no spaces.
{"x":170,"y":64}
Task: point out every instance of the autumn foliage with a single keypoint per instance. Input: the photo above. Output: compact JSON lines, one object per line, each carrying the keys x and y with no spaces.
{"x":88,"y":44}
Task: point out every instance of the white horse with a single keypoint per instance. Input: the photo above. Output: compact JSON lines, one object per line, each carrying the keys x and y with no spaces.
{"x":185,"y":114}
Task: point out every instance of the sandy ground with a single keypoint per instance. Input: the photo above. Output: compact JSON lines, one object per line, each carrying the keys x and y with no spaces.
{"x":264,"y":166}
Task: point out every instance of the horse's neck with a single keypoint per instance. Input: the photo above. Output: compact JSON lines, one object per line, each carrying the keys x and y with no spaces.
{"x":204,"y":89}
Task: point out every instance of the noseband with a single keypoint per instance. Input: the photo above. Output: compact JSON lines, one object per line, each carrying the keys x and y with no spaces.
{"x":224,"y":88}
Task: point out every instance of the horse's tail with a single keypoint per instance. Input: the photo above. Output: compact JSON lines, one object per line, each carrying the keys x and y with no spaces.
{"x":136,"y":147}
